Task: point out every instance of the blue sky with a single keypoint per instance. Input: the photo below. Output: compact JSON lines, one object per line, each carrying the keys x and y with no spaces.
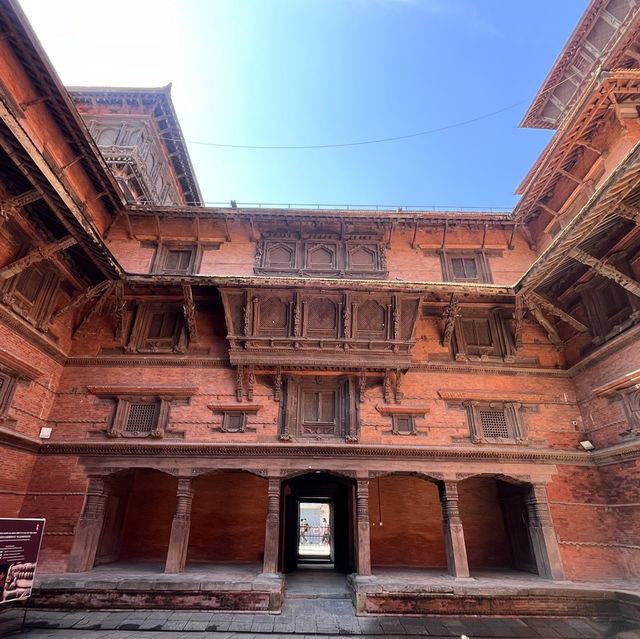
{"x":314,"y":72}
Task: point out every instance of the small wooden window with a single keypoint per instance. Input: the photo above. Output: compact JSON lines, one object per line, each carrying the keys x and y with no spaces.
{"x":499,"y":422}
{"x":493,"y":423}
{"x":139,"y":417}
{"x":466,"y":267}
{"x":403,"y":424}
{"x":157,"y":329}
{"x":142,"y":418}
{"x":482,"y":335}
{"x":177,"y":259}
{"x":32,"y":292}
{"x":321,"y":257}
{"x":234,"y":422}
{"x":8,"y":383}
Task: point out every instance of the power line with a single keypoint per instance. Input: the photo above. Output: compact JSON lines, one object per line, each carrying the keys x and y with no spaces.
{"x":378,"y":140}
{"x":364,"y":142}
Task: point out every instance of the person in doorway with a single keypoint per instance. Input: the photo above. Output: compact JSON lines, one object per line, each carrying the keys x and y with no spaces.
{"x":325,"y":531}
{"x":304,"y":530}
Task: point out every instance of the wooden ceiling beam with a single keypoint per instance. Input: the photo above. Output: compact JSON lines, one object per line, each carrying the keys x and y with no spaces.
{"x":606,"y":270}
{"x":39,"y":254}
{"x":548,"y":306}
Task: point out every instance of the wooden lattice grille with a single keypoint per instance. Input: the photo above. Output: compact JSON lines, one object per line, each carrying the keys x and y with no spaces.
{"x":493,"y":423}
{"x":141,"y":418}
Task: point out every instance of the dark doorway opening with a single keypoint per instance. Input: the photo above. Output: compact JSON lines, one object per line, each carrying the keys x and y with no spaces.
{"x":317,"y":522}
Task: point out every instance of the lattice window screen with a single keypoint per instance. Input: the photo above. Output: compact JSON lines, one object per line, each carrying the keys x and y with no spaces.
{"x":142,"y":418}
{"x":493,"y":423}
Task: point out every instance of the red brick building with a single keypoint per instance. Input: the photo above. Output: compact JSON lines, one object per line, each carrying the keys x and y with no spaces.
{"x":176,"y":380}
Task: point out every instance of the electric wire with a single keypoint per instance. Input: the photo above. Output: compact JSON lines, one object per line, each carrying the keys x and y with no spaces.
{"x":395,"y":138}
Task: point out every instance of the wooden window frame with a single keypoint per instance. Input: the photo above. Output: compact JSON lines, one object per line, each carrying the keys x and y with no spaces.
{"x":480,"y":258}
{"x":40,"y":310}
{"x":604,"y":328}
{"x":293,"y":424}
{"x":396,"y":418}
{"x":342,"y":250}
{"x":513,"y":418}
{"x":164,"y":249}
{"x":502,"y":347}
{"x":118,"y":425}
{"x":139,"y":337}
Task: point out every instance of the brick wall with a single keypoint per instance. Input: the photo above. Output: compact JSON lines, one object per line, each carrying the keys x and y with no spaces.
{"x":229,"y":518}
{"x":406,"y":523}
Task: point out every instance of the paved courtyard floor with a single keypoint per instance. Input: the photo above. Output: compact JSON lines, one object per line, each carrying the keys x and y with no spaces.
{"x":315,"y":607}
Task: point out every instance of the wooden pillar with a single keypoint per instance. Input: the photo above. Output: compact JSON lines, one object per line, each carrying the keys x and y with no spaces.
{"x":364,"y":536}
{"x":272,"y":532}
{"x":179,"y":541}
{"x":543,"y":537}
{"x":453,"y":531}
{"x":87,"y":532}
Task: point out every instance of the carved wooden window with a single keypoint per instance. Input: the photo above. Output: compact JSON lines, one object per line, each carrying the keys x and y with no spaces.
{"x":178,"y":259}
{"x":157,"y":329}
{"x":315,"y":257}
{"x":466,"y":266}
{"x":495,"y":422}
{"x":631,"y":398}
{"x":318,"y":408}
{"x":234,"y":422}
{"x":321,"y":317}
{"x":273,"y":317}
{"x":372,"y":320}
{"x":8,"y":383}
{"x":32,"y":292}
{"x":362,"y":258}
{"x":281,"y":256}
{"x":321,"y":257}
{"x":482,"y":335}
{"x":610,"y":308}
{"x":139,"y":417}
{"x":403,"y":424}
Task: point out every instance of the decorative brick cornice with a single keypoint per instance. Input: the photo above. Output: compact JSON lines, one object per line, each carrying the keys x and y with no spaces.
{"x":173,"y":449}
{"x":401,"y":409}
{"x":156,"y":391}
{"x":488,"y":369}
{"x":37,"y":339}
{"x":618,"y":384}
{"x":495,"y":396}
{"x":150,"y":361}
{"x":17,"y":364}
{"x":10,"y":438}
{"x":237,"y":408}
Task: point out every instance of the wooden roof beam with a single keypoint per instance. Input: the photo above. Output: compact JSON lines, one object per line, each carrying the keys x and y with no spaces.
{"x":546,"y":304}
{"x":90,"y":294}
{"x":536,"y":311}
{"x":629,"y":212}
{"x":606,"y":270}
{"x":39,"y":254}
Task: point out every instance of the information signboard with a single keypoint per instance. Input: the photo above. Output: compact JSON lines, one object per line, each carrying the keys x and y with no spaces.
{"x":19,"y":547}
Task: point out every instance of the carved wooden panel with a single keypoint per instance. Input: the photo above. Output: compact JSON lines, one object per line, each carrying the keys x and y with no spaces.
{"x":609,"y":307}
{"x":318,"y":408}
{"x":277,"y":327}
{"x":321,"y":255}
{"x":32,"y":292}
{"x":465,"y":266}
{"x":157,"y":328}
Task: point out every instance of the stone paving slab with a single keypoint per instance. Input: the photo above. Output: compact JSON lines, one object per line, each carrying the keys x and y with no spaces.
{"x":308,"y":619}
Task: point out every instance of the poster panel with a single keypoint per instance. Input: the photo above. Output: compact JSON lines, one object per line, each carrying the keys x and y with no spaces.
{"x":19,"y":547}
